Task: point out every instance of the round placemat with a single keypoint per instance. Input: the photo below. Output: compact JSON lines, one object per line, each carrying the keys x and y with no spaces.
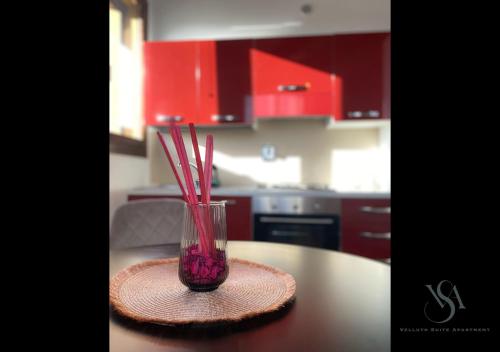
{"x":151,"y":292}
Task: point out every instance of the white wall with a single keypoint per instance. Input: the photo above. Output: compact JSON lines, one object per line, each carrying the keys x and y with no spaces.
{"x":385,"y":157}
{"x":307,"y":152}
{"x":221,"y":19}
{"x":125,"y":172}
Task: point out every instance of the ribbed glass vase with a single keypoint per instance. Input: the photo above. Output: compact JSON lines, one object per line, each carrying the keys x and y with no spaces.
{"x":203,"y":258}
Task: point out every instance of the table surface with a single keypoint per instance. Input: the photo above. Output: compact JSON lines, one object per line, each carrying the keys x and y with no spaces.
{"x":342,"y":304}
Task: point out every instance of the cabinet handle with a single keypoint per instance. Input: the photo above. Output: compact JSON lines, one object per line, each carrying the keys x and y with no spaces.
{"x":280,"y":233}
{"x":292,"y":87}
{"x":169,"y":118}
{"x":361,"y":114}
{"x":376,"y":235}
{"x":224,"y":118}
{"x":286,"y":220}
{"x":230,"y":202}
{"x":376,"y":210}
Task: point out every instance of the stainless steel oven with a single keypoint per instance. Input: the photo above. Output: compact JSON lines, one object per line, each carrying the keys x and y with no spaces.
{"x":302,"y":220}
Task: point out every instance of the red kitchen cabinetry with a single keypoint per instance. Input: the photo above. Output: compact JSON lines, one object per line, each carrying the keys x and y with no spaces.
{"x":291,"y":77}
{"x":225,"y":84}
{"x":204,"y":82}
{"x":170,"y":83}
{"x":238,"y":214}
{"x":366,"y":228}
{"x":238,"y":217}
{"x":361,"y":69}
{"x":232,"y":81}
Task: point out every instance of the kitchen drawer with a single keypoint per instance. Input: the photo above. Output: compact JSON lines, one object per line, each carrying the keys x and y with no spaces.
{"x":362,"y":243}
{"x":367,"y":214}
{"x":366,"y":227}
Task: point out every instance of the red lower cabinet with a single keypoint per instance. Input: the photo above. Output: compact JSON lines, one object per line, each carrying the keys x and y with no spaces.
{"x":366,"y":228}
{"x":238,"y":214}
{"x":238,"y":217}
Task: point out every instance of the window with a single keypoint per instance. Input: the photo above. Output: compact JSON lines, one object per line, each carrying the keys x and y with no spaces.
{"x":127,"y":21}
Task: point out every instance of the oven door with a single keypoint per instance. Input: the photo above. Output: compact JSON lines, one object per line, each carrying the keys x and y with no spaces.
{"x":321,"y":231}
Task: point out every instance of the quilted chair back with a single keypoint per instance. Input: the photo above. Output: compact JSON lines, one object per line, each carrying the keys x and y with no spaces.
{"x":147,"y":222}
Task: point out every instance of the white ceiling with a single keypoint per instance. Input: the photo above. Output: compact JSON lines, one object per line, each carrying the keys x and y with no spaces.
{"x":224,"y":19}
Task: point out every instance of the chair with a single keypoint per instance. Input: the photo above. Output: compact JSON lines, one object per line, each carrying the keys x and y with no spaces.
{"x":147,"y":222}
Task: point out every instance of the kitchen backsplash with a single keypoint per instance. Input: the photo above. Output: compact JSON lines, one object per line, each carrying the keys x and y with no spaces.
{"x":306,"y":153}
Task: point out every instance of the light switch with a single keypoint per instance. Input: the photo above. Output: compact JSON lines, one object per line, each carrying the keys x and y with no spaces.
{"x":268,"y":152}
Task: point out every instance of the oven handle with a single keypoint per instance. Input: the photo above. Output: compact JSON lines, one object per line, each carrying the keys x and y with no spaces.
{"x":286,"y":220}
{"x":279,"y":233}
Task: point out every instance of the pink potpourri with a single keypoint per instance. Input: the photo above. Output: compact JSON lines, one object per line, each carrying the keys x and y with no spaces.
{"x":202,"y":272}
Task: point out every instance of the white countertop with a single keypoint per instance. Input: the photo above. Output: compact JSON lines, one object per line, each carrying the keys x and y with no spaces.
{"x":249,"y":191}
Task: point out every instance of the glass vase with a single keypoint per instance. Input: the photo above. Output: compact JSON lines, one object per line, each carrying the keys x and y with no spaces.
{"x":203,"y":259}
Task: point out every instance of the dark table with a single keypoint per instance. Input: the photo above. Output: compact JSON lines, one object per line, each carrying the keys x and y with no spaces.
{"x":342,"y":304}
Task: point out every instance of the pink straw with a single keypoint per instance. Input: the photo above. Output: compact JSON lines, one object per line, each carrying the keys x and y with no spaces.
{"x":172,"y":165}
{"x":175,"y":132}
{"x":209,"y":151}
{"x":205,"y":196}
{"x":189,"y":191}
{"x":199,"y":166}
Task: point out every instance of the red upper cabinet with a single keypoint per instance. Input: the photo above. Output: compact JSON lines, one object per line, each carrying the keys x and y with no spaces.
{"x":361,"y":76}
{"x":225,"y":94}
{"x":170,"y":82}
{"x":233,"y":81}
{"x":207,"y":89}
{"x":291,"y":77}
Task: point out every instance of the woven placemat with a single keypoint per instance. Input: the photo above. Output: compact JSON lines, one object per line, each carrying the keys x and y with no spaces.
{"x":151,"y":292}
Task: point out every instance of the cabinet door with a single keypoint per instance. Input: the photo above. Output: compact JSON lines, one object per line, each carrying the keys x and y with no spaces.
{"x":291,"y":77}
{"x":238,"y":217}
{"x":361,"y":75}
{"x":225,"y":85}
{"x":170,"y":82}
